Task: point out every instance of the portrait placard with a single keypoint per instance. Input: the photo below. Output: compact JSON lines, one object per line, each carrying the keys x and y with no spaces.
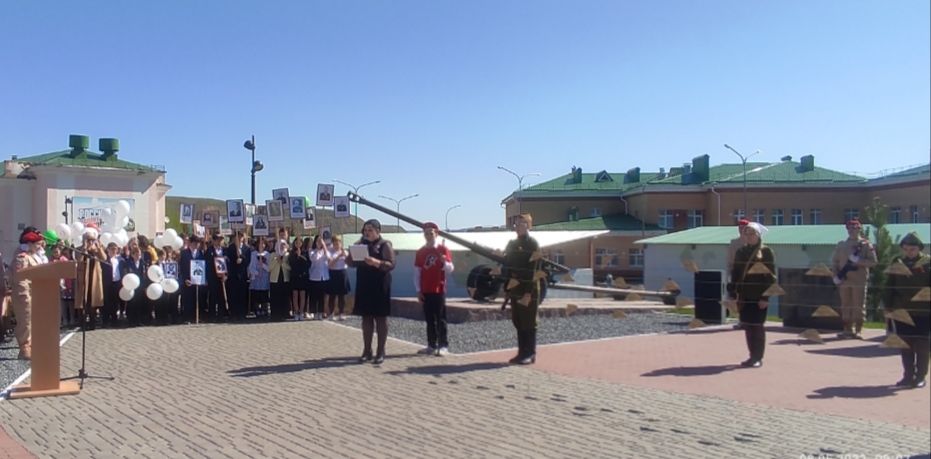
{"x":297,"y":207}
{"x":341,"y":206}
{"x":187,"y":213}
{"x":275,"y":212}
{"x":234,"y":210}
{"x":260,"y":225}
{"x":325,"y":194}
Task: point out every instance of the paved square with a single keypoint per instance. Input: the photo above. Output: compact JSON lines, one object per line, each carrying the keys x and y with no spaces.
{"x":294,"y":390}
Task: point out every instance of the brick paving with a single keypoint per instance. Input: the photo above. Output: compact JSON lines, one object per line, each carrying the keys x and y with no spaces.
{"x":293,"y":390}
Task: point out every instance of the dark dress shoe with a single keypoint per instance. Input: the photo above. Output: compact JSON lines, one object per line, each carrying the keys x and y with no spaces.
{"x":365,"y":358}
{"x":905,"y":382}
{"x":532,"y":358}
{"x":379,"y":359}
{"x":750,"y":363}
{"x":919,"y":384}
{"x":516,"y":359}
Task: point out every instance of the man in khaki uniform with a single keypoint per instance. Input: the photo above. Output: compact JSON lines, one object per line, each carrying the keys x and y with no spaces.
{"x":22,"y":290}
{"x":852,"y":260}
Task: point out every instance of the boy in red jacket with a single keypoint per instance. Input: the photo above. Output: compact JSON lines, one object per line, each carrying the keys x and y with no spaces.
{"x":431,"y":265}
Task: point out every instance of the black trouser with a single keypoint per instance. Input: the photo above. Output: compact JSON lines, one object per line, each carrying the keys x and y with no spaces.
{"x":281,"y":299}
{"x":756,"y":340}
{"x":216,"y":308}
{"x":189,"y":301}
{"x":316,"y":296}
{"x":915,"y":359}
{"x":434,"y":312}
{"x":111,"y":302}
{"x":238,"y":295}
{"x":524,"y":318}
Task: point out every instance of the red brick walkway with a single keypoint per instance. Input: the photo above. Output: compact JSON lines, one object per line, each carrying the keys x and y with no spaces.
{"x":9,"y":449}
{"x":847,"y":378}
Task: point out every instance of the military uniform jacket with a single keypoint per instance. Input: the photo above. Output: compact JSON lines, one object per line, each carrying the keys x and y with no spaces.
{"x":517,"y":265}
{"x":750,"y":287}
{"x":900,"y":289}
{"x":22,"y":287}
{"x":861,"y":248}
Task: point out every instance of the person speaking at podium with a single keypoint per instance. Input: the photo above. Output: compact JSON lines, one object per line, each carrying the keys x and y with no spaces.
{"x":26,"y":257}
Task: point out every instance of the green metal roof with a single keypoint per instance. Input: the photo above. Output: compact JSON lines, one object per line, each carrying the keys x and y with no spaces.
{"x":785,"y":235}
{"x":914,"y":171}
{"x":606,"y":222}
{"x":564,"y":183}
{"x":91,"y":159}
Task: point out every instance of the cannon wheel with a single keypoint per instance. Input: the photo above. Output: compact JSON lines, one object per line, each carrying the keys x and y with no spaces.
{"x":486,"y":285}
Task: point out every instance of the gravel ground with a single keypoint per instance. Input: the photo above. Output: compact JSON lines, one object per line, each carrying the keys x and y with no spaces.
{"x":10,"y":367}
{"x":499,"y":334}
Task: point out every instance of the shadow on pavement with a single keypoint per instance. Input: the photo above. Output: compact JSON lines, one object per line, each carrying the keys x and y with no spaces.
{"x":862,"y":352}
{"x":449,"y":369}
{"x":854,"y":392}
{"x":706,"y":370}
{"x":320,"y":364}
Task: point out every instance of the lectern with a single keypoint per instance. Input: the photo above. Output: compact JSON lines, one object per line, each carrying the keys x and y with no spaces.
{"x":46,"y":317}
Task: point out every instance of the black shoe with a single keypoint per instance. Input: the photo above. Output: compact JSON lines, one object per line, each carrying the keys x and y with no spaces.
{"x":532,"y":358}
{"x":379,"y":359}
{"x":905,"y":382}
{"x":514,"y":360}
{"x":750,"y":363}
{"x":919,"y":384}
{"x":366,"y":357}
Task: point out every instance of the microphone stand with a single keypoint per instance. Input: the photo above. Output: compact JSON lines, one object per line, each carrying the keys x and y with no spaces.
{"x":82,"y":373}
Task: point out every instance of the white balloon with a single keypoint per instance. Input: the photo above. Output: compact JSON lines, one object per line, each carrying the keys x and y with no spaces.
{"x":106,"y":214}
{"x":124,"y":221}
{"x":170,"y":285}
{"x":171,"y":232}
{"x":177,"y":243}
{"x":126,"y":294}
{"x":159,"y":241}
{"x":122,"y":207}
{"x":154,"y":291}
{"x":106,"y":239}
{"x":130,"y":281}
{"x":155,"y":273}
{"x":77,"y":227}
{"x":63,"y":231}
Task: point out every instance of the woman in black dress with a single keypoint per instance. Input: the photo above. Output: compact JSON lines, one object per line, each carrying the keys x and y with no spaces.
{"x":373,"y":290}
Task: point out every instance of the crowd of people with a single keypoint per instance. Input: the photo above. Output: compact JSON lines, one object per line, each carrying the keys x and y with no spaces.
{"x":281,"y":278}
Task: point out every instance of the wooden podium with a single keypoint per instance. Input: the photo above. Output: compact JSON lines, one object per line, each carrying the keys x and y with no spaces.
{"x":46,"y":317}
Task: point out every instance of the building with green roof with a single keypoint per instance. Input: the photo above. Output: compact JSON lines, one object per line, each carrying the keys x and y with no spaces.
{"x":63,"y":186}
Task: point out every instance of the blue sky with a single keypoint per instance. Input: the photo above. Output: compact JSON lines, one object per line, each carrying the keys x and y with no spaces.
{"x":431,"y":96}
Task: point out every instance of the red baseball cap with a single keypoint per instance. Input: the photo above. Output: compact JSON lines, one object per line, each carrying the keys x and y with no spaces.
{"x":431,"y":225}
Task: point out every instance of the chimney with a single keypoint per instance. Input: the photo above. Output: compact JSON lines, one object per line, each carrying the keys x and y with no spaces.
{"x":78,"y":144}
{"x":807,"y":163}
{"x":701,"y":169}
{"x":577,"y":175}
{"x":632,"y":175}
{"x":109,"y":147}
{"x":686,"y":169}
{"x":662,"y":173}
{"x":787,"y":158}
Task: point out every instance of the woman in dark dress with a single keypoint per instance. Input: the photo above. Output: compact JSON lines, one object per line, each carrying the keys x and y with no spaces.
{"x":373,"y":290}
{"x":299,"y":265}
{"x":748,"y":288}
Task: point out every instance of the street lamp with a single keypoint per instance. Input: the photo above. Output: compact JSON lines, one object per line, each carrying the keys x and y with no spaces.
{"x":520,"y":183}
{"x":743,"y":159}
{"x":355,"y":189}
{"x":398,"y":203}
{"x":256,"y":165}
{"x":446,"y":219}
{"x":68,"y":201}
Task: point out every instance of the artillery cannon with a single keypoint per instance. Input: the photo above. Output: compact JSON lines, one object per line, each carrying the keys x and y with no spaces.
{"x":485,"y":282}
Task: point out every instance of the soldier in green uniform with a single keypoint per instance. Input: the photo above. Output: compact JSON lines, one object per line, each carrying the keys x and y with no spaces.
{"x":750,"y":283}
{"x":522,"y":261}
{"x":900,"y":294}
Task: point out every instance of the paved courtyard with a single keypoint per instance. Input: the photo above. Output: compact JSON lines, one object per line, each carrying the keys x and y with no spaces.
{"x":294,"y":390}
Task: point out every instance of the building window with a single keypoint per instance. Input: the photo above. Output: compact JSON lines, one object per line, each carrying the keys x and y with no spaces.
{"x":796,"y":216}
{"x":814,"y":216}
{"x":665,"y":219}
{"x":696,"y":218}
{"x":759,"y":215}
{"x":635,"y":258}
{"x":596,"y":212}
{"x":738,"y":215}
{"x":559,"y":257}
{"x":777,"y":217}
{"x":850,"y":214}
{"x":606,"y":257}
{"x":914,"y":211}
{"x":895,"y":215}
{"x":573,"y":214}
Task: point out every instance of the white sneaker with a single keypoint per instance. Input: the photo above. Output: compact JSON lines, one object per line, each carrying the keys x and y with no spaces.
{"x":341,"y":318}
{"x":308,"y":316}
{"x":427,"y":351}
{"x":442,"y":352}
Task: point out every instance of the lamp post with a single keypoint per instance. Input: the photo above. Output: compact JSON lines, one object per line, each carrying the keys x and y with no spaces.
{"x":446,"y":219}
{"x":69,"y":200}
{"x":355,"y":189}
{"x":398,"y":203}
{"x":743,"y":159}
{"x":520,"y":183}
{"x":256,"y":165}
